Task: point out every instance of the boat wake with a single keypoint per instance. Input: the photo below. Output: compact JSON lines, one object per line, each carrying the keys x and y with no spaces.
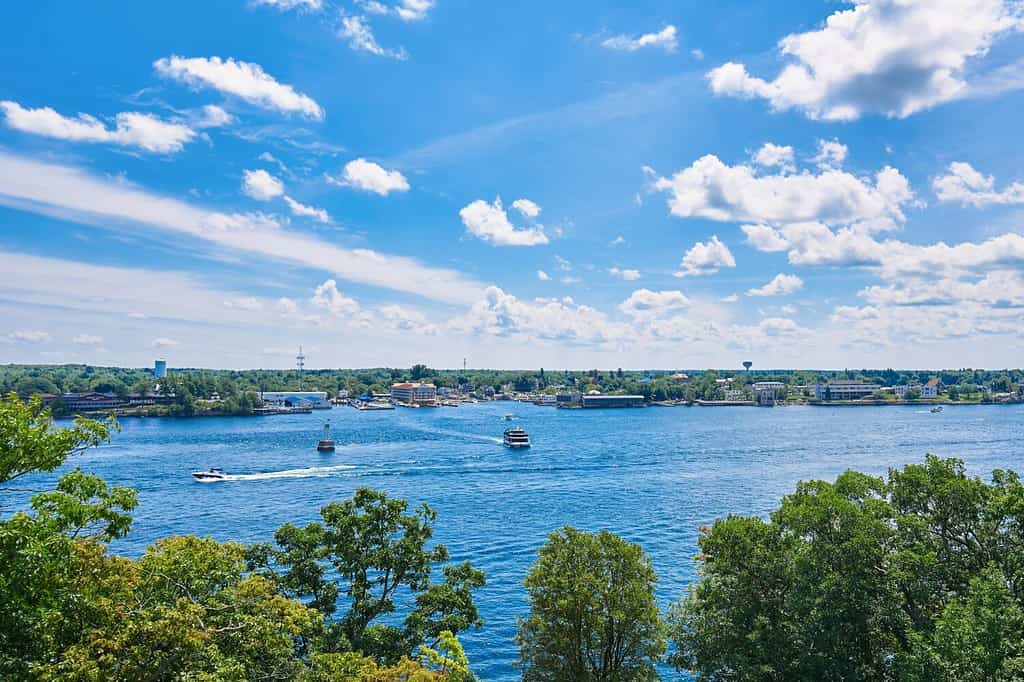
{"x":455,"y":434}
{"x":311,"y":472}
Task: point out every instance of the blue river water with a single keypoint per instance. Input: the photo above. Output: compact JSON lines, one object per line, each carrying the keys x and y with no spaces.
{"x":652,"y":475}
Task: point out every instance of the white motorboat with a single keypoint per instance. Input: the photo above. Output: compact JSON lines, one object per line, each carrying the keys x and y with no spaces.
{"x":509,"y":417}
{"x":516,"y":438}
{"x":936,"y":409}
{"x":209,"y":476}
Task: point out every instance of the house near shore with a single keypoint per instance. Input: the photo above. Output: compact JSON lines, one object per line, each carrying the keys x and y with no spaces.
{"x":842,"y":389}
{"x":932,"y":388}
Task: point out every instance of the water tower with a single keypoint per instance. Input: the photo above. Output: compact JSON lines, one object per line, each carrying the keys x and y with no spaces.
{"x":160,"y":369}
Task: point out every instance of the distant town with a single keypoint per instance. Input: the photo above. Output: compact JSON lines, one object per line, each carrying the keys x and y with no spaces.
{"x":162,"y":391}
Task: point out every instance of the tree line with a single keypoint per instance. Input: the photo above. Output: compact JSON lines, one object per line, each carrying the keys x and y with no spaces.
{"x":915,"y":576}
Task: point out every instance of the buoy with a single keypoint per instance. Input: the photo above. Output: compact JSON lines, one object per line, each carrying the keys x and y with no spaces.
{"x":326,"y":444}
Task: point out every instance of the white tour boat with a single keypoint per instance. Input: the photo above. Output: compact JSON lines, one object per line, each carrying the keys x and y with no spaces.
{"x":516,"y":438}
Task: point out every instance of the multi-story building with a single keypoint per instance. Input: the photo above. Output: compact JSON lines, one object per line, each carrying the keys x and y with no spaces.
{"x":315,"y":399}
{"x":412,"y":393}
{"x":769,"y":392}
{"x":843,"y":390}
{"x":594,"y":401}
{"x":931,"y":388}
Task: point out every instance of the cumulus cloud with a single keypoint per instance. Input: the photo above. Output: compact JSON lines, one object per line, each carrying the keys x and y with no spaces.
{"x":304,"y":211}
{"x":775,"y":156}
{"x":780,"y":285}
{"x":333,"y":301}
{"x":712,"y":189}
{"x":618,"y":241}
{"x":131,"y":128}
{"x":490,"y":222}
{"x":628,"y":275}
{"x":831,"y":154}
{"x":356,"y":30}
{"x":29,"y":336}
{"x":526,"y":207}
{"x":644,"y":303}
{"x":212,"y":116}
{"x":87,"y":340}
{"x":665,"y":39}
{"x":261,"y":185}
{"x":244,"y":80}
{"x":706,"y":258}
{"x":889,"y":57}
{"x":502,"y":314}
{"x":543,"y":276}
{"x":371,"y":177}
{"x":968,"y":187}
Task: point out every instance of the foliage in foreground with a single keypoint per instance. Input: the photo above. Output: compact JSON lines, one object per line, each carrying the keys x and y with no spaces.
{"x":915,"y":577}
{"x":592,"y":611}
{"x":190,"y":608}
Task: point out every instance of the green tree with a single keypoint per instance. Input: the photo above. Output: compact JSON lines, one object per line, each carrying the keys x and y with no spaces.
{"x":379,"y":551}
{"x":915,"y":577}
{"x":592,"y":611}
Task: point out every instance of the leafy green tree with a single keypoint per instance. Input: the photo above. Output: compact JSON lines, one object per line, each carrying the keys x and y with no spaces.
{"x":917,"y":577}
{"x":592,"y":611}
{"x":379,"y":551}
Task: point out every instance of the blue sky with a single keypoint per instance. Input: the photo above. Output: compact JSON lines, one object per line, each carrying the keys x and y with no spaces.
{"x":651,"y":184}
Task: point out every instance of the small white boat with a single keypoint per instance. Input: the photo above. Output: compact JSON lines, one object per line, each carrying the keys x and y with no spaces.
{"x":509,"y":417}
{"x":516,"y":439}
{"x":209,"y":476}
{"x":936,"y":409}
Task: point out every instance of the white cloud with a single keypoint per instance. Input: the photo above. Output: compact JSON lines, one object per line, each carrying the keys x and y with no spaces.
{"x":406,"y":10}
{"x":772,"y":155}
{"x":213,"y":116}
{"x":563,"y":264}
{"x":247,"y":303}
{"x":714,"y":190}
{"x":490,"y":223}
{"x":71,"y":194}
{"x":644,"y":303}
{"x":164,"y":342}
{"x":731,"y":298}
{"x":697,"y":54}
{"x":764,"y":238}
{"x":891,"y":57}
{"x":261,"y":185}
{"x":502,"y":314}
{"x":665,"y":39}
{"x":29,"y":336}
{"x":628,"y":275}
{"x":244,"y":80}
{"x":780,"y":285}
{"x":87,"y":340}
{"x":131,"y":128}
{"x":526,"y":207}
{"x":967,"y":186}
{"x":357,"y":32}
{"x":618,"y":241}
{"x":330,"y":299}
{"x":706,"y":258}
{"x":371,"y":177}
{"x":307,"y":211}
{"x":831,"y":154}
{"x":543,"y":276}
{"x":285,"y":5}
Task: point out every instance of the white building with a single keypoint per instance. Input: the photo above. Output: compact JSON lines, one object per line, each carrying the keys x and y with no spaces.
{"x":932,"y":388}
{"x":315,"y":399}
{"x":734,"y":395}
{"x":768,"y":392}
{"x":843,"y":390}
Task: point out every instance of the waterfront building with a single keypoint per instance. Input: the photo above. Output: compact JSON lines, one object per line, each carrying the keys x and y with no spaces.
{"x":568,"y":398}
{"x":769,"y":392}
{"x":92,"y":400}
{"x":904,"y":390}
{"x":931,"y":388}
{"x":599,"y":401}
{"x":314,"y":399}
{"x":841,"y":389}
{"x":160,"y":369}
{"x":414,"y":393}
{"x":734,"y":395}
